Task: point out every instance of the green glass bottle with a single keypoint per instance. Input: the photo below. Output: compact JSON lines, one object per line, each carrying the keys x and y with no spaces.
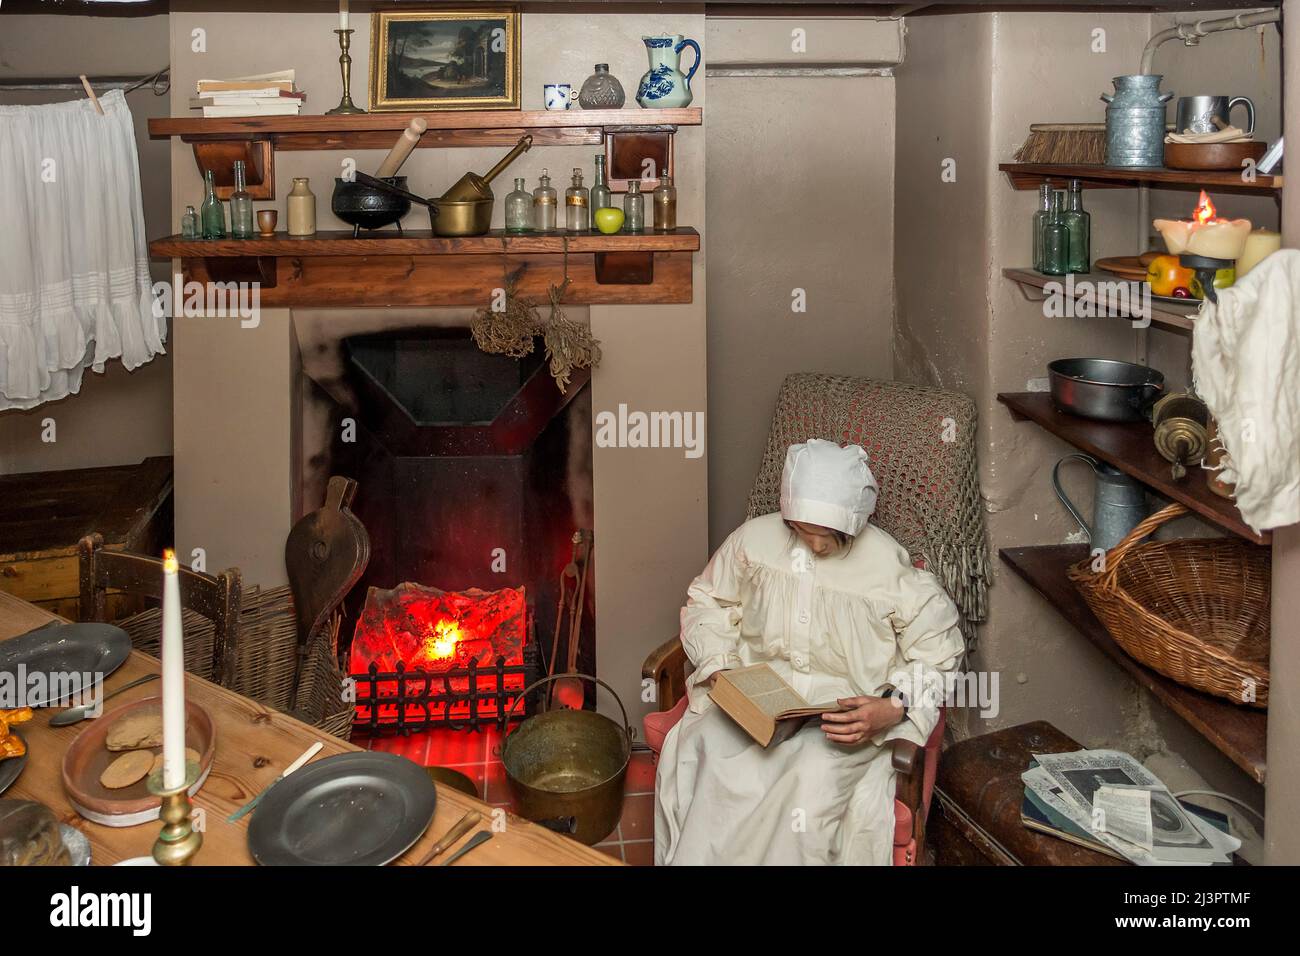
{"x":212,"y":213}
{"x":1056,"y":240}
{"x":1079,"y":226}
{"x":1040,"y":222}
{"x":241,"y":206}
{"x":601,"y":197}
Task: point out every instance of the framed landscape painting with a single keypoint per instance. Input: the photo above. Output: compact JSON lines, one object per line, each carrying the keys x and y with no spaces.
{"x":445,"y":59}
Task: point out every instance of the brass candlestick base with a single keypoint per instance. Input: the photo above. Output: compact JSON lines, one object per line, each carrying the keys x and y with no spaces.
{"x":178,"y":841}
{"x":345,"y":67}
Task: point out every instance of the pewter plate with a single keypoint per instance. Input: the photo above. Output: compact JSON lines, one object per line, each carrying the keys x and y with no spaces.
{"x":11,"y":768}
{"x":354,"y":809}
{"x":72,"y":650}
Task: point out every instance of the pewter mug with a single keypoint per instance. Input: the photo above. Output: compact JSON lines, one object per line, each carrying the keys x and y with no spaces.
{"x":1119,"y":503}
{"x":1209,"y":114}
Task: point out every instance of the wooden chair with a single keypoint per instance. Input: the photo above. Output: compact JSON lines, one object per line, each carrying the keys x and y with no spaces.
{"x":215,"y":598}
{"x":895,"y":422}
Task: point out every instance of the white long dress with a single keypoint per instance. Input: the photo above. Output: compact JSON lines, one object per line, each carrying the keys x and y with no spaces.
{"x":833,"y":627}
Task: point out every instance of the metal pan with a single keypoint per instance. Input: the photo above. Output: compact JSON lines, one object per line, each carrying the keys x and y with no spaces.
{"x":1105,"y":389}
{"x":448,"y":218}
{"x":64,"y":653}
{"x":355,"y":809}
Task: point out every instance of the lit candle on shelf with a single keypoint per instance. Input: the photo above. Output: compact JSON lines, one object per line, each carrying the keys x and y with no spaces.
{"x":343,"y":14}
{"x":1205,"y":234}
{"x":173,"y":676}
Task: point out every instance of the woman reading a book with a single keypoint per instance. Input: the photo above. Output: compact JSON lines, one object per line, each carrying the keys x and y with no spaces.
{"x":834,"y":606}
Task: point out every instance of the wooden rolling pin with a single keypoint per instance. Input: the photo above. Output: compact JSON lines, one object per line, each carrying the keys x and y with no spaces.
{"x":402,"y":148}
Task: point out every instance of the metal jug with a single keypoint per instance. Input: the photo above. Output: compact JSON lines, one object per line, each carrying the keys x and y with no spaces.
{"x":1135,"y":121}
{"x":1119,"y":503}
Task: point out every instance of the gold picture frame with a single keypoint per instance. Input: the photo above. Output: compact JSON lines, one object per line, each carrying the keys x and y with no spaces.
{"x":463,"y":59}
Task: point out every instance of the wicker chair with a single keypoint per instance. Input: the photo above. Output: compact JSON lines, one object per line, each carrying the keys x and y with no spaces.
{"x":902,"y":427}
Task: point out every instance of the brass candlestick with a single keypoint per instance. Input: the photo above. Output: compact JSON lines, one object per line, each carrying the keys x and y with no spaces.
{"x":178,"y":841}
{"x":345,"y":67}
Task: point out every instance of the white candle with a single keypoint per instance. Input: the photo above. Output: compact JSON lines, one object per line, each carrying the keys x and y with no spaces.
{"x":1206,"y":234}
{"x":1259,"y":244}
{"x":343,"y":14}
{"x":173,"y":676}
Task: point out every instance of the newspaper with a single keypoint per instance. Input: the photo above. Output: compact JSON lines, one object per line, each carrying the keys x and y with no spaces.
{"x":1125,"y":812}
{"x":1069,"y":783}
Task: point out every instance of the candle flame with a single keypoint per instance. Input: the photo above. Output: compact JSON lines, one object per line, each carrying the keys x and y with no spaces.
{"x":1204,"y":209}
{"x":170,"y":564}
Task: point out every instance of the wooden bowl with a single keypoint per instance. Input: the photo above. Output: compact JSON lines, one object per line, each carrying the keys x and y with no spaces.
{"x":87,"y":757}
{"x":1211,"y":155}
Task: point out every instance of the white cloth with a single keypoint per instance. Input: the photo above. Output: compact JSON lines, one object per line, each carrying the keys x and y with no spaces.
{"x":840,"y":626}
{"x":1246,"y":365}
{"x":74,"y":271}
{"x":827,"y":485}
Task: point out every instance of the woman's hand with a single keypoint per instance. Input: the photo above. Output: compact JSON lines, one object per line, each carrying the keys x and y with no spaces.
{"x":864,"y":718}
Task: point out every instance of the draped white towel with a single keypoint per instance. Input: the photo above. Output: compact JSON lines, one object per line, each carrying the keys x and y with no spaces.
{"x":74,"y":266}
{"x":1246,"y":364}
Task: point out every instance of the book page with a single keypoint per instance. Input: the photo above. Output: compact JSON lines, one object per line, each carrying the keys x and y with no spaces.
{"x":764,"y":687}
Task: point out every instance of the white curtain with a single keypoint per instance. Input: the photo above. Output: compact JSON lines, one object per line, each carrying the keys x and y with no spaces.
{"x":74,"y":267}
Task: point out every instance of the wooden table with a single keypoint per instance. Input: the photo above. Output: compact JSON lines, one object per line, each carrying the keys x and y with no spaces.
{"x":254,"y":743}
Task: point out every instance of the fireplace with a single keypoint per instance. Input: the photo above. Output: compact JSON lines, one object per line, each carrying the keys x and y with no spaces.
{"x":473,"y":476}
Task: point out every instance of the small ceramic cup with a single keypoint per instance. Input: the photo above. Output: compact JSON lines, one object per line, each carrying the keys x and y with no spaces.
{"x":557,"y":96}
{"x":266,"y":219}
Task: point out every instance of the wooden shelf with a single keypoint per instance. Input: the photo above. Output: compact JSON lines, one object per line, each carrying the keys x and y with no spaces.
{"x":1166,"y":315}
{"x":1130,"y":447}
{"x":446,"y":128}
{"x":1238,"y":732}
{"x":1030,"y":175}
{"x":422,"y":242}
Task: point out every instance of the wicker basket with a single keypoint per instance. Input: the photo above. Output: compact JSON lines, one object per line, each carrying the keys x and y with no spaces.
{"x":1193,"y":609}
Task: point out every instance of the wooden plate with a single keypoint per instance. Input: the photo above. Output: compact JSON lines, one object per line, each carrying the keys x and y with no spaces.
{"x":87,"y":757}
{"x":1211,"y":155}
{"x":1127,"y":267}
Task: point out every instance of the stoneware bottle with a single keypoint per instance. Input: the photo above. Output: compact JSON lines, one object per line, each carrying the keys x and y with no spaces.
{"x":302,"y":208}
{"x":664,"y":86}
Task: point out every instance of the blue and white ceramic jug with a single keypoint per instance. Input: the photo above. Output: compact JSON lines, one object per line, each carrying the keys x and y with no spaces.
{"x":664,"y":86}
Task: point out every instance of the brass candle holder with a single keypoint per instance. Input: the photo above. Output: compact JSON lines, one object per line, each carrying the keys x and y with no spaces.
{"x":178,"y":841}
{"x":346,"y":105}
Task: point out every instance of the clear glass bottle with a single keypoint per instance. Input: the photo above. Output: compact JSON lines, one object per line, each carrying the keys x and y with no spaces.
{"x":664,"y":200}
{"x":519,"y":209}
{"x":577,"y":205}
{"x":544,"y":202}
{"x":1056,"y":240}
{"x":190,"y":224}
{"x":601,"y":91}
{"x":241,"y":205}
{"x":1040,"y":222}
{"x":1079,"y":226}
{"x":601,"y":197}
{"x":212,"y":212}
{"x":634,"y":208}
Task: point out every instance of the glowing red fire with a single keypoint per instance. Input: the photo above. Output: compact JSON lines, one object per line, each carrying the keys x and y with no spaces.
{"x":435,"y":631}
{"x":1205,"y":210}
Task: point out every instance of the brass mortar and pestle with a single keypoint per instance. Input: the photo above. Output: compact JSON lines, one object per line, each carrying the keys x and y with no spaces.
{"x":466,"y":208}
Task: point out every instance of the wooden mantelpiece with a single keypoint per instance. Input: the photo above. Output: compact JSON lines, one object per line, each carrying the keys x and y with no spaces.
{"x":417,"y":268}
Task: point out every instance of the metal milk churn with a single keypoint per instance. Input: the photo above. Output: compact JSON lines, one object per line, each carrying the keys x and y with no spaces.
{"x":1135,"y":121}
{"x":1119,"y":503}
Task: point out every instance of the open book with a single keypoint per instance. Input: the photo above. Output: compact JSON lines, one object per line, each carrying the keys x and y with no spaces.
{"x":765,"y":706}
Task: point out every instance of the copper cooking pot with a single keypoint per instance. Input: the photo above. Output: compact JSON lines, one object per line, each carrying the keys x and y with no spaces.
{"x":451,"y":218}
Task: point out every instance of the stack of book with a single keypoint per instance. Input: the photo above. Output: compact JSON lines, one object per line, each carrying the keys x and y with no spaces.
{"x":1106,"y":801}
{"x":268,"y":94}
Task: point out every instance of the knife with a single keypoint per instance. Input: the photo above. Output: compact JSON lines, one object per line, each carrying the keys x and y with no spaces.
{"x":463,"y":826}
{"x":476,"y":840}
{"x":310,"y":752}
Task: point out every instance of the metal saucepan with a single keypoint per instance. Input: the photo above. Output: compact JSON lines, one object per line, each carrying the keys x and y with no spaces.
{"x":446,"y":218}
{"x":1105,"y":389}
{"x":370,"y":203}
{"x":569,"y":763}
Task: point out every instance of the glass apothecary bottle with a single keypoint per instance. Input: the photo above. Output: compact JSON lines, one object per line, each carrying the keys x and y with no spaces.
{"x":241,"y":205}
{"x":190,"y":224}
{"x":601,"y":197}
{"x":519,"y":209}
{"x":544,"y":201}
{"x":1056,"y":240}
{"x":1078,"y":224}
{"x":634,"y":208}
{"x":664,"y":200}
{"x":212,"y":213}
{"x":1041,"y":217}
{"x":577,"y":205}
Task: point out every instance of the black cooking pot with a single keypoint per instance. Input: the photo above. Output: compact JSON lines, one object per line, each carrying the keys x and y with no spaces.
{"x":367,"y":207}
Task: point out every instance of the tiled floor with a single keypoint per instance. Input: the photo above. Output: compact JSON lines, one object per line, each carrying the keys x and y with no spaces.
{"x":478,"y":756}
